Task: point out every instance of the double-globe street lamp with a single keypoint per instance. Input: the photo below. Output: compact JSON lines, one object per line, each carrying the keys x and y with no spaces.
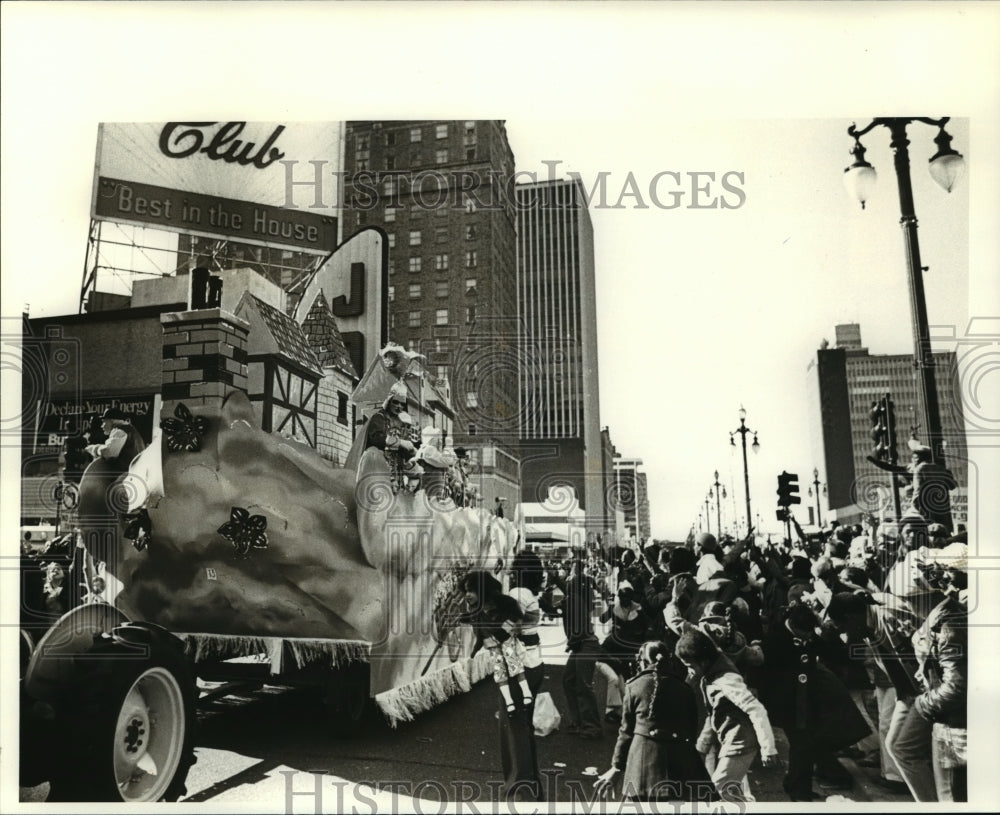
{"x":819,"y":516}
{"x":719,"y":494}
{"x":743,"y":430}
{"x":945,"y":167}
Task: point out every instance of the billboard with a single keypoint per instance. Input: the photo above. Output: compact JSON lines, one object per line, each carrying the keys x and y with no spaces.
{"x":67,"y":417}
{"x":262,"y":183}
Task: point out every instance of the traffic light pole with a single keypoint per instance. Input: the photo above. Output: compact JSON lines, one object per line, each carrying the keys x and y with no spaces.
{"x":890,"y":428}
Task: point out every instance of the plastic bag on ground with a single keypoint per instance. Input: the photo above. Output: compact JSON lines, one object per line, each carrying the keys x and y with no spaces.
{"x":547,"y":717}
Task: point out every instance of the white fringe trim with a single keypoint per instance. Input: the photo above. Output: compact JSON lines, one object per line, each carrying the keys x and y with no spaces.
{"x":402,"y":704}
{"x":206,"y":647}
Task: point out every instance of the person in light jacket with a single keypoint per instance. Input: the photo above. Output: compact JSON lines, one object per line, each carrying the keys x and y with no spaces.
{"x":737,"y":722}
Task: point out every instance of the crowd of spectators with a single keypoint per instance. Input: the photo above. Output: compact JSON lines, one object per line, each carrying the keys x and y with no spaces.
{"x":853,"y":640}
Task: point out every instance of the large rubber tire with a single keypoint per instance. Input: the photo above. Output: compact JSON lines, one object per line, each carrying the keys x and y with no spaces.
{"x":347,"y":700}
{"x":130,"y":728}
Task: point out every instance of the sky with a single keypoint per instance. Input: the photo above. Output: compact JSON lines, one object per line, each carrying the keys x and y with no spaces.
{"x":700,"y":310}
{"x":713,"y":308}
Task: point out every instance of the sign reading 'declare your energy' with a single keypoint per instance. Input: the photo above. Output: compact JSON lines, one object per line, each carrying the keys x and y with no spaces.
{"x":220,"y":179}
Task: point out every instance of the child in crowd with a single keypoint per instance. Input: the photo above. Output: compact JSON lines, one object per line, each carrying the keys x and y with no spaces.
{"x":737,"y":726}
{"x":496,"y":618}
{"x":656,"y":741}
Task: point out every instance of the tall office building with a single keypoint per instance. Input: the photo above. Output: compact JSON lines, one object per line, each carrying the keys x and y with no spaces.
{"x":844,"y":381}
{"x":630,"y":487}
{"x":440,"y":190}
{"x":560,"y":413}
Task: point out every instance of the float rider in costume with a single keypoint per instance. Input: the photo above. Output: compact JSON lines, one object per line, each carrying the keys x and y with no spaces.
{"x":391,"y":430}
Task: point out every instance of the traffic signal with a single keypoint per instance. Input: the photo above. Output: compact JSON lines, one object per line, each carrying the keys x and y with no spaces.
{"x":879,"y":431}
{"x":890,"y":427}
{"x":782,"y":514}
{"x":883,"y":430}
{"x":788,"y":489}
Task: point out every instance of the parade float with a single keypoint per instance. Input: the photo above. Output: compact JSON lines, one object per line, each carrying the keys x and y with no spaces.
{"x":242,"y":557}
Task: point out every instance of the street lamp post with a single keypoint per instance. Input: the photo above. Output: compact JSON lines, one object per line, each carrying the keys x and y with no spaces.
{"x":743,"y":430}
{"x":720,"y":493}
{"x":819,"y":515}
{"x":945,"y":167}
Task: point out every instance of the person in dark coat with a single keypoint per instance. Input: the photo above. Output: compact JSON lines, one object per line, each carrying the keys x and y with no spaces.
{"x":584,"y":651}
{"x":885,"y":624}
{"x":497,"y":618}
{"x":518,"y":752}
{"x":655,"y":750}
{"x":806,"y":700}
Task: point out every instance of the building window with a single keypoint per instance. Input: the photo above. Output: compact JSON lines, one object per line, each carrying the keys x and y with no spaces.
{"x":441,"y":288}
{"x":342,"y":408}
{"x":361,"y":141}
{"x":390,"y":139}
{"x":470,"y":153}
{"x":470,"y":232}
{"x":392,"y":240}
{"x":413,"y":321}
{"x":414,"y":237}
{"x":415,"y":211}
{"x":440,"y":156}
{"x":390,"y":162}
{"x":471,"y":259}
{"x":390,"y":214}
{"x":415,"y":135}
{"x":392,"y":293}
{"x":360,"y":163}
{"x":389,"y":186}
{"x":470,"y":286}
{"x":441,"y":132}
{"x":441,"y":263}
{"x":442,"y":372}
{"x":392,"y":266}
{"x":441,"y":316}
{"x":414,"y":291}
{"x":392,"y":320}
{"x":441,"y":234}
{"x":470,"y":314}
{"x":414,"y":264}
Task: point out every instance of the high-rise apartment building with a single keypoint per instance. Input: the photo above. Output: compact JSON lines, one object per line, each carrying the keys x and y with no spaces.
{"x":560,"y":412}
{"x":441,"y":191}
{"x":844,"y":382}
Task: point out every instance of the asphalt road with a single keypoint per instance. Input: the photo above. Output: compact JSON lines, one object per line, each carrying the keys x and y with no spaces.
{"x":272,"y":749}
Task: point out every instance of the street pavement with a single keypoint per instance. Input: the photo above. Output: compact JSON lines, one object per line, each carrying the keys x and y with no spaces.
{"x":272,"y":749}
